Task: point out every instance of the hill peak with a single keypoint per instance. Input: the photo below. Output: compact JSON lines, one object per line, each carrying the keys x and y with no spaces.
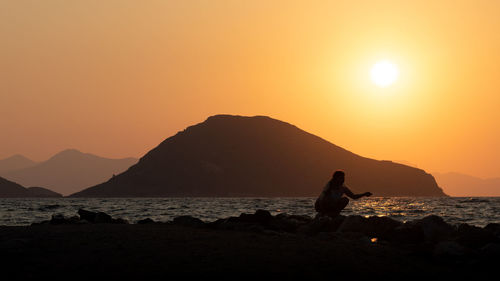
{"x":241,"y":118}
{"x":17,"y":157}
{"x":69,"y":154}
{"x":69,"y":151}
{"x":15,"y":162}
{"x":231,"y":116}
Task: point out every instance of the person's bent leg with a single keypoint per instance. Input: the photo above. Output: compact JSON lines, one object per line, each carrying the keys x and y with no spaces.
{"x":343,"y":203}
{"x":334,"y":209}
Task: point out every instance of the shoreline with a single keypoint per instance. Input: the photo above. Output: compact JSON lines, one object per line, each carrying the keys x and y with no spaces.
{"x":474,"y":211}
{"x":251,"y":245}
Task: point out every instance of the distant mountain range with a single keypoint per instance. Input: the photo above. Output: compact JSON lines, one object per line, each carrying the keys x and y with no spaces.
{"x":256,"y":156}
{"x":10,"y":189}
{"x":66,"y":172}
{"x":15,"y":162}
{"x":462,"y":185}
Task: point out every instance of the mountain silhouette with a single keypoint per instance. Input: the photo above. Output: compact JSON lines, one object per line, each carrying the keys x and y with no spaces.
{"x":461,"y":185}
{"x":15,"y":162}
{"x":256,"y":156}
{"x":10,"y":189}
{"x":70,"y":171}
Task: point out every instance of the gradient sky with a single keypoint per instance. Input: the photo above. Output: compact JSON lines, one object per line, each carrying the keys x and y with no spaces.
{"x":116,"y":77}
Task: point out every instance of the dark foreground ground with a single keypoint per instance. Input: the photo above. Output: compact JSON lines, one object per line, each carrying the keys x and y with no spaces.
{"x":173,"y":251}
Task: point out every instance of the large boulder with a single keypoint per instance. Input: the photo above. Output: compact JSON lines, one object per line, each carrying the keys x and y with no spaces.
{"x":353,"y":224}
{"x":494,"y":228}
{"x":491,"y":250}
{"x":146,"y":221}
{"x":61,"y":219}
{"x":257,"y":222}
{"x":321,"y":224}
{"x":449,"y":249}
{"x":380,"y":227}
{"x":430,"y":229}
{"x":99,"y":217}
{"x":188,"y":221}
{"x":290,"y":223}
{"x":474,"y":237}
{"x":409,"y":232}
{"x":261,"y":217}
{"x":435,"y":228}
{"x":102,"y":217}
{"x":87,"y":215}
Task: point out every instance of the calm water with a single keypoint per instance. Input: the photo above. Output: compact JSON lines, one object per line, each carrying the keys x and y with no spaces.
{"x":477,"y":211}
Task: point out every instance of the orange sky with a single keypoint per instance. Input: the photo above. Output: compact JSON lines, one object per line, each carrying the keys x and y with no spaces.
{"x":115,"y":78}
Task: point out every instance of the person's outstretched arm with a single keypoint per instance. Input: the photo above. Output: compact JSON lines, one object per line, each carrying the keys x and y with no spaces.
{"x":349,"y":193}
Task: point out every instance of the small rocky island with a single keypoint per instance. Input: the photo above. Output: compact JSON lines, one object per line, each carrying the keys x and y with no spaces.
{"x":256,"y":156}
{"x":259,"y":245}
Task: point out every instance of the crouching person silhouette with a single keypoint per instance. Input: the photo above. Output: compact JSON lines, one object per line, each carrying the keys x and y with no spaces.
{"x":331,"y":200}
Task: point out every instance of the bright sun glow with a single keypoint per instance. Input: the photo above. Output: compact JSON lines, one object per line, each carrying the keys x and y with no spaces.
{"x":384,"y":73}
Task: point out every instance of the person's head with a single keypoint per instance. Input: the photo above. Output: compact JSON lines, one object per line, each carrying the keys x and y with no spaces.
{"x":338,"y":177}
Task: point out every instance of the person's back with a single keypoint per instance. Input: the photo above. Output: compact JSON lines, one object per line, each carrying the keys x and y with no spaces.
{"x":331,"y":201}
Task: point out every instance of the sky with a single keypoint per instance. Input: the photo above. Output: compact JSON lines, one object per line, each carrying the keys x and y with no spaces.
{"x":117,"y":77}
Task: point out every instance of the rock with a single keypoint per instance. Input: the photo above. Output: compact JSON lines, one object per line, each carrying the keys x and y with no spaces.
{"x":259,"y":221}
{"x":188,"y":221}
{"x":14,"y":244}
{"x":493,"y":228}
{"x":349,"y":237}
{"x":290,"y":223}
{"x":448,"y":249}
{"x":82,"y":221}
{"x":255,"y":228}
{"x":491,"y":250}
{"x":58,"y":219}
{"x":435,"y":228}
{"x":102,"y":217}
{"x":365,"y":240}
{"x":473,"y":236}
{"x":380,"y":227}
{"x":87,"y":215}
{"x":61,"y":219}
{"x":74,"y":220}
{"x":261,"y":217}
{"x":120,"y":221}
{"x":227,"y":223}
{"x":235,"y":223}
{"x":99,"y":217}
{"x":408,"y":232}
{"x":431,"y":229}
{"x":324,"y":235}
{"x":321,"y":224}
{"x":353,"y":224}
{"x":299,"y":219}
{"x":146,"y":221}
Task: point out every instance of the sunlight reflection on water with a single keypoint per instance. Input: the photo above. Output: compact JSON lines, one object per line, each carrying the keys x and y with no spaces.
{"x":476,"y":211}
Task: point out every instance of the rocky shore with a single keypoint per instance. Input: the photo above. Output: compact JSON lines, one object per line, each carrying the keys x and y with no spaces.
{"x":255,"y":245}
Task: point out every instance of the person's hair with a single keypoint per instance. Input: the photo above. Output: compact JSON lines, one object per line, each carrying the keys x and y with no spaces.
{"x":338,"y":174}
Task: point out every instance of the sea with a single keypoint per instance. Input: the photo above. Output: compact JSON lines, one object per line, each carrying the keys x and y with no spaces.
{"x":478,"y":211}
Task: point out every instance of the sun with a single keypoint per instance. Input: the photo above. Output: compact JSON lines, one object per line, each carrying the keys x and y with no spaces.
{"x":384,"y":73}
